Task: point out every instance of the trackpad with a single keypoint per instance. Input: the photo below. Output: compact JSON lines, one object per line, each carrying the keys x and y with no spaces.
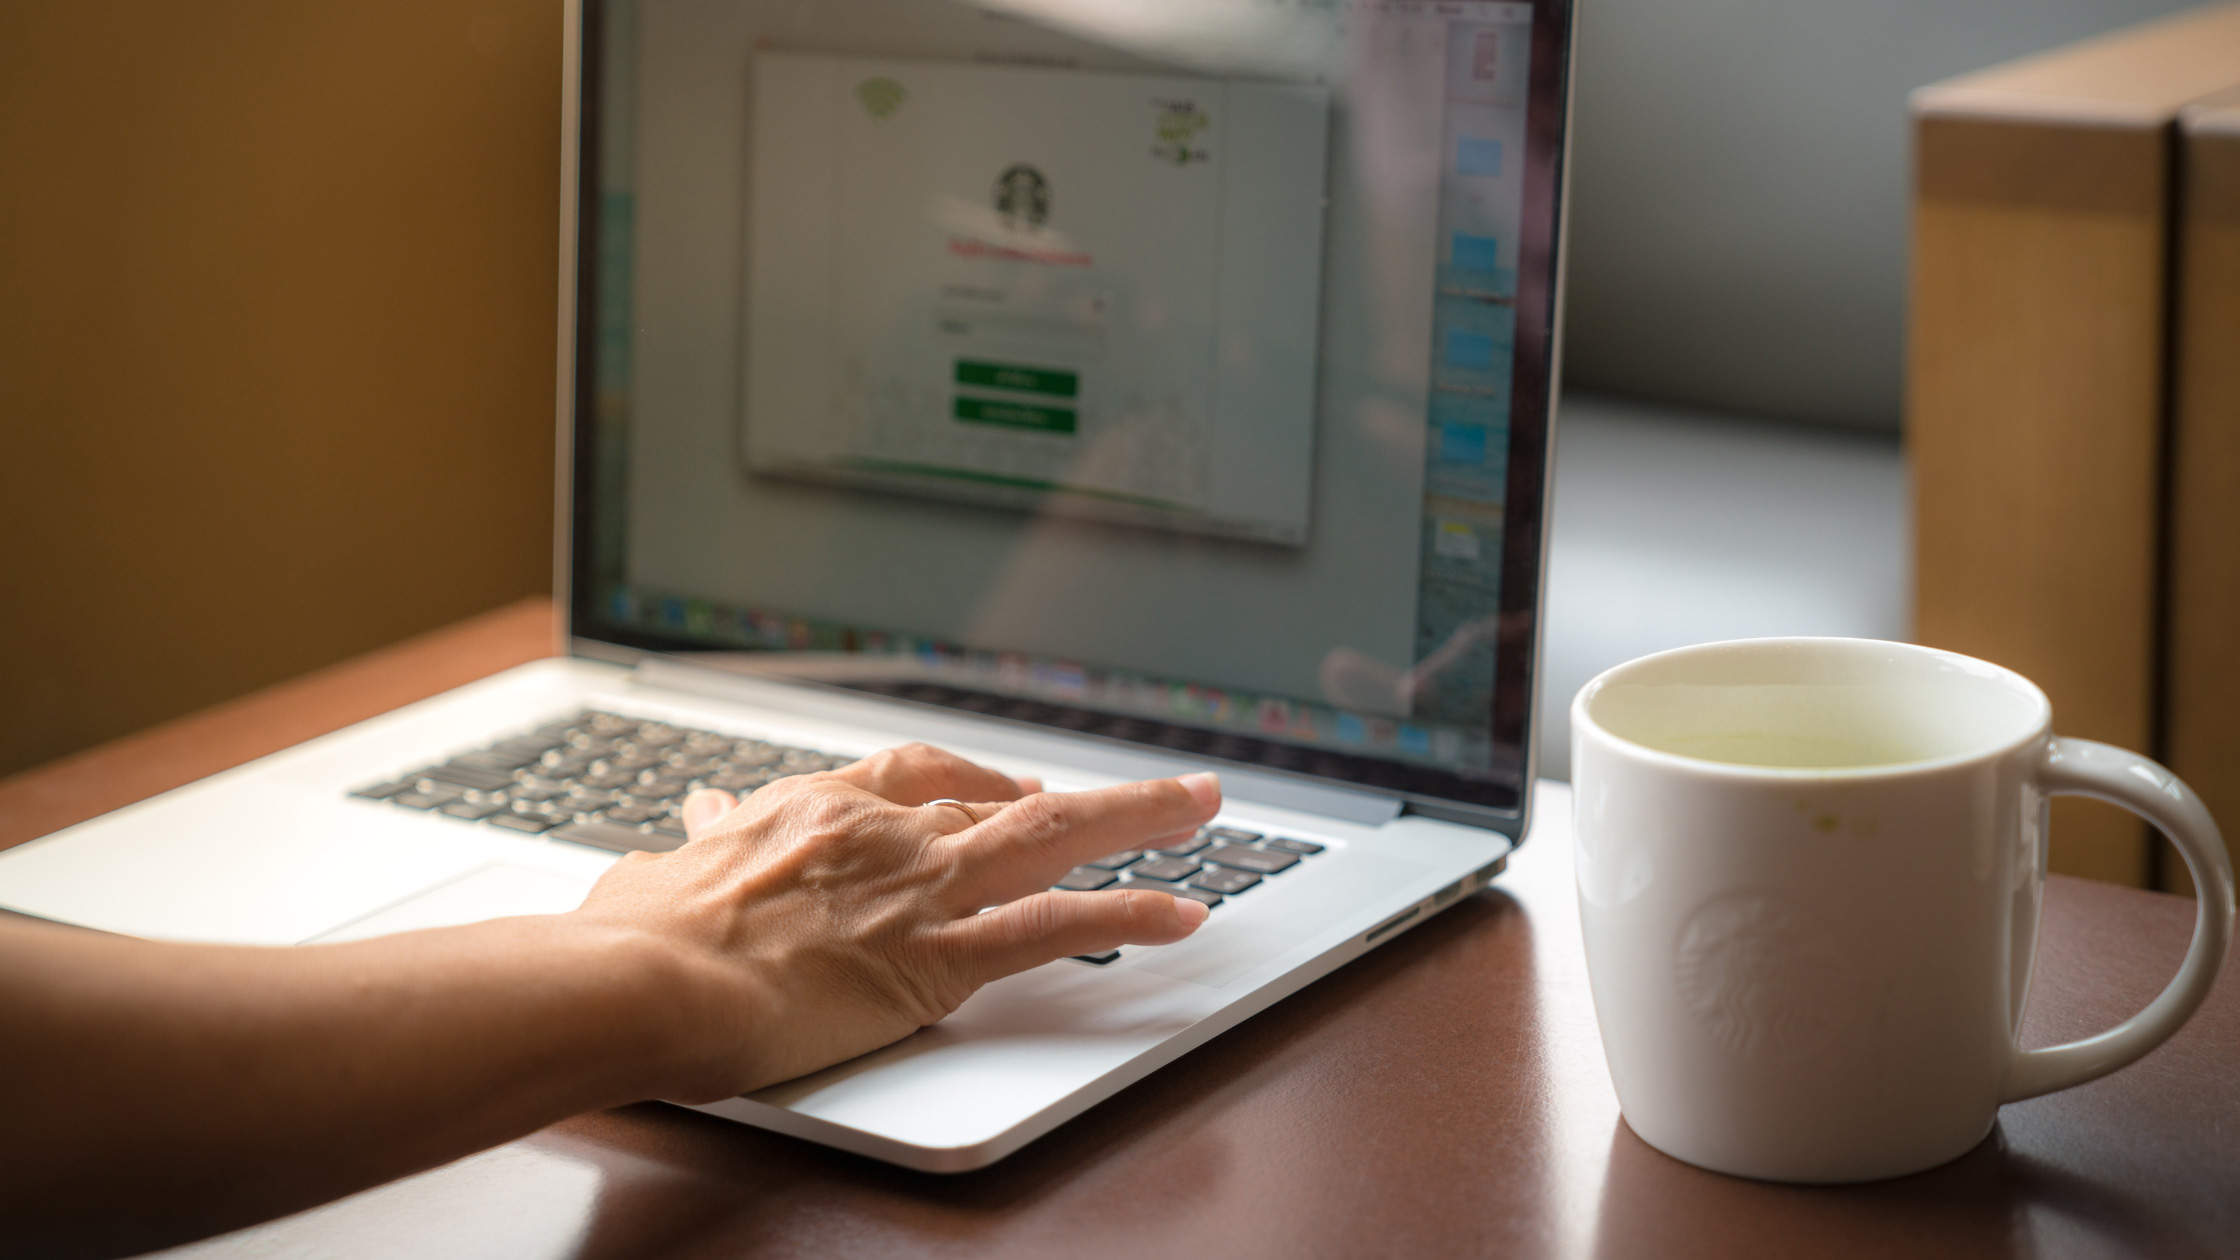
{"x":1247,"y":933}
{"x":488,"y":892}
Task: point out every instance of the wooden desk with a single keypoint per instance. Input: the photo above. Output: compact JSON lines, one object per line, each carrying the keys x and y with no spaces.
{"x":1443,"y":1096}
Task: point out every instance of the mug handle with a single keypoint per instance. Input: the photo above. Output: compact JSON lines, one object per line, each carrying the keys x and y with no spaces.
{"x":2080,"y":767}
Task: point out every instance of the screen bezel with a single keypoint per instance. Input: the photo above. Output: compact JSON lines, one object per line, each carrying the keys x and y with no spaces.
{"x":1496,"y":801}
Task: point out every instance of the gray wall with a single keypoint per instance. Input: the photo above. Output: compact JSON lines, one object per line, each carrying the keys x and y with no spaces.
{"x":1739,"y":195}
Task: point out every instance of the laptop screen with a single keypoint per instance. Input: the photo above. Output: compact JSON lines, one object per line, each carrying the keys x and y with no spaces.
{"x":1169,"y":371}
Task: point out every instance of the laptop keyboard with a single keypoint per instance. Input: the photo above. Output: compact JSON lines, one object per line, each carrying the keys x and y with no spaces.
{"x":612,"y":782}
{"x":619,"y":783}
{"x":1213,"y":865}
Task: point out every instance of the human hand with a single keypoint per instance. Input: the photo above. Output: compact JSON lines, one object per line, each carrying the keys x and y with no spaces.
{"x":834,"y":913}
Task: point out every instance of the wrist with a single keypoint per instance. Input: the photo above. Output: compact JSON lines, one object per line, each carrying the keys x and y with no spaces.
{"x":620,"y":994}
{"x":672,"y":1022}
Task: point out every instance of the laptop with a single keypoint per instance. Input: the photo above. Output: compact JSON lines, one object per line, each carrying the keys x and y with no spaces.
{"x":1100,"y":391}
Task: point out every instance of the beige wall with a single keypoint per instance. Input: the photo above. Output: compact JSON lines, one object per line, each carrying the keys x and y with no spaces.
{"x":276,"y":308}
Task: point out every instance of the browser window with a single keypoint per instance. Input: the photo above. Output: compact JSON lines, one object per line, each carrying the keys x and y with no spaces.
{"x":1054,"y":290}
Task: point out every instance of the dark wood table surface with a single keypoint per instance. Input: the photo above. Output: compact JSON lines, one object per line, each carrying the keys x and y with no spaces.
{"x":1443,"y":1096}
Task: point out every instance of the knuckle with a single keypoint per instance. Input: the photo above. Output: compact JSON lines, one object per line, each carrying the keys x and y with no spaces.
{"x":1142,"y":908}
{"x":917,"y":759}
{"x":1041,"y":820}
{"x":1038,"y":918}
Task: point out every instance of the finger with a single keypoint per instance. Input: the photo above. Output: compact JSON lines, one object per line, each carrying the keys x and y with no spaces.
{"x":1033,"y":930}
{"x":1036,"y":840}
{"x":1028,"y":784}
{"x":916,"y":773}
{"x":704,"y":809}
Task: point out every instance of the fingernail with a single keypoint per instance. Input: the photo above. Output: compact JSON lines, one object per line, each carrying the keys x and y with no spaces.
{"x":702,"y":807}
{"x":1192,"y":913}
{"x":1205,"y":786}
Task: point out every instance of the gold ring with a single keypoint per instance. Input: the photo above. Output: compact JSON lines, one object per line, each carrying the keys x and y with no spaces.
{"x":969,"y":811}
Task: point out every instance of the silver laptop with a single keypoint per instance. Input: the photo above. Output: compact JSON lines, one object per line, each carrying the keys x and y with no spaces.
{"x":1098,"y":390}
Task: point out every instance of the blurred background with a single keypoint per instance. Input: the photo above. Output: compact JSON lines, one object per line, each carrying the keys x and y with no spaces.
{"x":277,"y":316}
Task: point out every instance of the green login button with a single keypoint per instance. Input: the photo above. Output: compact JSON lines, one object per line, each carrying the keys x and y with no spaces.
{"x":1027,"y":380}
{"x":1014,"y":415}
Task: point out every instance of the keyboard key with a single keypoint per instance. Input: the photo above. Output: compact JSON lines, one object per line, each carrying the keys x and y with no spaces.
{"x":1184,"y":847}
{"x":417,"y":799}
{"x":522,"y":822}
{"x":537,"y":790}
{"x":383,"y":791}
{"x":1231,"y":835}
{"x":1099,"y":959}
{"x":1085,"y":879}
{"x":1258,"y":861}
{"x":1171,"y":869}
{"x":1227,"y":882}
{"x":1114,"y":861}
{"x":556,"y":812}
{"x":616,"y":838}
{"x":632,"y":814}
{"x":474,"y":811}
{"x":1206,"y":895}
{"x":503,"y":763}
{"x":1285,"y":844}
{"x":477,"y":777}
{"x":671,"y":827}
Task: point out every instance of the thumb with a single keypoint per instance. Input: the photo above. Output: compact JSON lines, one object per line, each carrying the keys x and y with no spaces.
{"x":705,"y":808}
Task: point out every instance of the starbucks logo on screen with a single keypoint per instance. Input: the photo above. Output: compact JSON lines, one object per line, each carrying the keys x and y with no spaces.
{"x":1023,"y":195}
{"x":1176,"y":126}
{"x":880,"y":98}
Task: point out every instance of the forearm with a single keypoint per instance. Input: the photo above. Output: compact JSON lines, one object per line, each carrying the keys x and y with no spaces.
{"x":205,"y":1087}
{"x":225,"y":1085}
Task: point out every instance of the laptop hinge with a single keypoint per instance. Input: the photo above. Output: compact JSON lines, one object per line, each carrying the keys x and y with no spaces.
{"x":997,"y":735}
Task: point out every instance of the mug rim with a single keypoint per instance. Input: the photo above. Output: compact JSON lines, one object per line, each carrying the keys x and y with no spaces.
{"x":1584,"y":725}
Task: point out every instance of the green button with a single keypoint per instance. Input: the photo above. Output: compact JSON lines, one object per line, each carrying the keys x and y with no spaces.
{"x":1014,"y":415}
{"x":1030,"y":380}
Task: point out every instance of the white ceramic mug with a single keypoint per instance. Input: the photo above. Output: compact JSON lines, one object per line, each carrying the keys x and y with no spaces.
{"x":1809,"y":878}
